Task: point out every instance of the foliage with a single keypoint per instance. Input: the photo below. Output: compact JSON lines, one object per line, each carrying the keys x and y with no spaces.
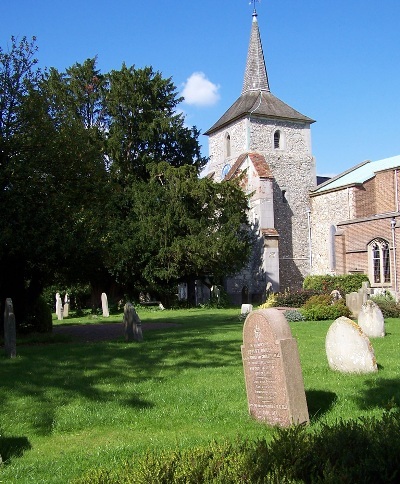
{"x":144,"y":126}
{"x":365,"y":451}
{"x":39,"y":319}
{"x":387,"y":304}
{"x":294,"y":299}
{"x":175,"y":227}
{"x":321,"y":307}
{"x":293,"y":315}
{"x":270,"y":302}
{"x":345,"y":284}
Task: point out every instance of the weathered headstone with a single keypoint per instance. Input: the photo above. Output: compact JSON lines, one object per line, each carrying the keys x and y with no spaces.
{"x":371,"y":321}
{"x":348,"y":349}
{"x":274,"y":381}
{"x":66,"y":306}
{"x":132,"y":324}
{"x":104,"y":305}
{"x":246,"y":308}
{"x":59,"y":307}
{"x":10,"y":335}
{"x":355,"y":300}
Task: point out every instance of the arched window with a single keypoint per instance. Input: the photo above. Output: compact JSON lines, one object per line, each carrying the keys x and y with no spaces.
{"x":227,"y":145}
{"x":277,"y":139}
{"x":379,"y":261}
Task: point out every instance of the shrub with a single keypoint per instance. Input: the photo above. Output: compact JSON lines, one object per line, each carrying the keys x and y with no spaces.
{"x":389,"y":307}
{"x":270,"y":302}
{"x":344,"y":283}
{"x":366,"y":450}
{"x":295,"y":299}
{"x":39,"y":318}
{"x":321,"y":307}
{"x":292,"y":315}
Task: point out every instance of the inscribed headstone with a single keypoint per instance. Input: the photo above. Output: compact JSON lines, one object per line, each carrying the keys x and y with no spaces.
{"x":59,"y":307}
{"x":348,"y":349}
{"x":371,"y":321}
{"x":10,"y":336}
{"x":104,"y":305}
{"x":274,"y":381}
{"x":132,"y":323}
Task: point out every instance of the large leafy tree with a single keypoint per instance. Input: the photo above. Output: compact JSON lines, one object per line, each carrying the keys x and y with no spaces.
{"x":51,"y":170}
{"x":144,"y":125}
{"x":176,"y":226}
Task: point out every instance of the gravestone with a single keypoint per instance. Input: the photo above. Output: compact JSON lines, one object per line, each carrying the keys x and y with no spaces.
{"x":132,"y":324}
{"x":274,"y":381}
{"x":348,"y":349}
{"x":104,"y":305}
{"x":66,"y":306}
{"x":371,"y":321}
{"x":10,"y":335}
{"x":246,"y":308}
{"x":355,"y":300}
{"x":59,"y":307}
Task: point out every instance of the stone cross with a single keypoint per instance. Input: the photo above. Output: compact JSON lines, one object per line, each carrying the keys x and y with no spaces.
{"x":59,"y":307}
{"x":132,"y":324}
{"x":104,"y":305}
{"x":10,"y":336}
{"x":274,"y":381}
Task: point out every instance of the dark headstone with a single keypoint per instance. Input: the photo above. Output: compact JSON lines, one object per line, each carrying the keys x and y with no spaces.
{"x":132,"y":323}
{"x":10,"y":334}
{"x":274,"y":381}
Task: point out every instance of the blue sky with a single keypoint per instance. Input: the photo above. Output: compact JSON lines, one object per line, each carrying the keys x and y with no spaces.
{"x":337,"y":62}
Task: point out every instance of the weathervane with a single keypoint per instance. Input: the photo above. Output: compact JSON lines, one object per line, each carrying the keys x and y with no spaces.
{"x":254,"y":3}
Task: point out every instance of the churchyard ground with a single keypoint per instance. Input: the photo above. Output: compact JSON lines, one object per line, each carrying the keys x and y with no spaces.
{"x":68,"y":406}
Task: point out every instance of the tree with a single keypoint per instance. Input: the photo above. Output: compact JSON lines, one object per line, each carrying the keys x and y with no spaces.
{"x":52,"y":181}
{"x":176,"y":226}
{"x":144,"y":126}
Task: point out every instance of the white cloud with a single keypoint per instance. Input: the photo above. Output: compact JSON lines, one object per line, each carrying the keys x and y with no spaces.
{"x":199,"y":91}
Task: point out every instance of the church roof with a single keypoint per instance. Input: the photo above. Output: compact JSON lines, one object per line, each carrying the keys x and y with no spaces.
{"x":358,"y":174}
{"x":256,"y":98}
{"x":259,"y":162}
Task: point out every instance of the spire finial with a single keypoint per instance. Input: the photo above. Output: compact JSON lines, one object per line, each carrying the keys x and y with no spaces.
{"x":254,"y":6}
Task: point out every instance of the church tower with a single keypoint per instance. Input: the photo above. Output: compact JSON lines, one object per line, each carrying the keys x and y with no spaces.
{"x":269,"y":144}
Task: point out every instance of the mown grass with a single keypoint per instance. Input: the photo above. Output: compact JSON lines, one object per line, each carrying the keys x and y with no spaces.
{"x":67,"y":407}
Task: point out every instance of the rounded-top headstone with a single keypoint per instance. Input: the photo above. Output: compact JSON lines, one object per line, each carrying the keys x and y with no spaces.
{"x":348,"y":349}
{"x":371,"y":321}
{"x":274,"y":381}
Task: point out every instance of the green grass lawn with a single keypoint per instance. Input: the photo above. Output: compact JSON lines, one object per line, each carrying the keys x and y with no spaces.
{"x":67,"y":407}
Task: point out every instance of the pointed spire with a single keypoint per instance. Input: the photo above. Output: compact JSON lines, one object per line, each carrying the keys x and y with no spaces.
{"x":255,"y":76}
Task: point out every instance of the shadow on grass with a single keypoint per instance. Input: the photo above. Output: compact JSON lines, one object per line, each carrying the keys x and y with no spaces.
{"x":58,"y":375}
{"x":13,"y":447}
{"x":319,"y":402}
{"x":381,"y":393}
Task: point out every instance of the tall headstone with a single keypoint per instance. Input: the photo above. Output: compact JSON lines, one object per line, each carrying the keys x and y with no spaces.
{"x":59,"y":307}
{"x":104,"y":305}
{"x":274,"y":381}
{"x":66,"y":306}
{"x":371,"y":321}
{"x":348,"y":349}
{"x":132,"y":324}
{"x":10,"y":334}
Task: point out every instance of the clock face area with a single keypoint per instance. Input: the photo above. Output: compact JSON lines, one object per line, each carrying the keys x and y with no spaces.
{"x":225,"y":170}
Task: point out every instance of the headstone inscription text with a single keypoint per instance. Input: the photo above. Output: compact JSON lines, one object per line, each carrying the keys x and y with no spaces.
{"x":274,"y":381}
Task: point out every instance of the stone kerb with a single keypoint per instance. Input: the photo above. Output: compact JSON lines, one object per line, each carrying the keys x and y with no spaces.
{"x":348,"y":349}
{"x":274,"y":381}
